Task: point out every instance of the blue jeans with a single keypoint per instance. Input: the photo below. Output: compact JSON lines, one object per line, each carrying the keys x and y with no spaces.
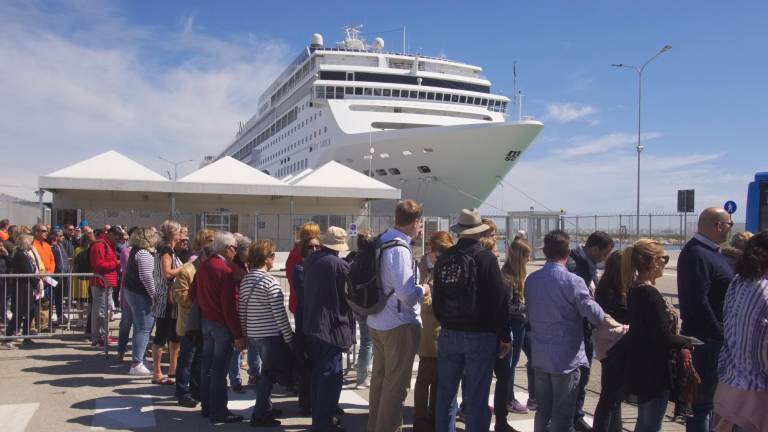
{"x":705,"y":359}
{"x":365,"y":352}
{"x":267,"y":349}
{"x":589,"y":349}
{"x":518,"y":335}
{"x":217,"y":353}
{"x":234,"y":368}
{"x":467,"y":357}
{"x":126,"y":322}
{"x":556,"y":395}
{"x":650,"y":414}
{"x":188,"y":369}
{"x":142,"y":319}
{"x":254,"y":363}
{"x":327,"y":379}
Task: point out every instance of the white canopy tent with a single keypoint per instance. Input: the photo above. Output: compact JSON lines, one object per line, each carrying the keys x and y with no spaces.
{"x":115,"y":189}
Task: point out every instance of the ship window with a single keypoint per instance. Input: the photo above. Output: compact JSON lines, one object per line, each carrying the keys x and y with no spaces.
{"x":320,"y":92}
{"x":358,"y":91}
{"x":366,"y":172}
{"x":463,"y":99}
{"x":381,"y":172}
{"x":422,"y":95}
{"x":478,"y":101}
{"x":325,"y":129}
{"x":454,"y":98}
{"x":429,"y":150}
{"x":438,"y":96}
{"x":423,"y":169}
{"x":431,"y":96}
{"x":414,"y":94}
{"x":367,"y":91}
{"x":349,"y":90}
{"x":394,"y":171}
{"x":387,"y":92}
{"x":377,"y":92}
{"x":350,"y":76}
{"x":471,"y":100}
{"x":395,"y":93}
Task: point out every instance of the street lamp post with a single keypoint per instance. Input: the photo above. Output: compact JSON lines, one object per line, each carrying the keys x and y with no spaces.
{"x":639,"y":147}
{"x":175,"y":165}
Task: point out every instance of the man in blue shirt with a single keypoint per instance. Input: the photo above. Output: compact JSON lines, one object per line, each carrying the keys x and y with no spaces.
{"x":557,"y":302}
{"x":396,"y":329}
{"x":583,"y":262}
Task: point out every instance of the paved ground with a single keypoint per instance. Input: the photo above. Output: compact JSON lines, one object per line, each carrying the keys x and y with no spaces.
{"x":69,"y":386}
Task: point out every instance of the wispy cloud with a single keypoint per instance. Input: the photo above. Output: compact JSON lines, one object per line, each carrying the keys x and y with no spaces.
{"x":568,"y":112}
{"x":583,"y":146}
{"x":73,"y":87}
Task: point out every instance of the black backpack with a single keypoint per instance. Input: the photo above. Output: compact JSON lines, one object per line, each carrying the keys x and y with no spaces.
{"x":454,"y":288}
{"x":363,"y":290}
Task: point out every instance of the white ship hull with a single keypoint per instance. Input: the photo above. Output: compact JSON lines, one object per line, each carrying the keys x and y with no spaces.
{"x":465,"y":161}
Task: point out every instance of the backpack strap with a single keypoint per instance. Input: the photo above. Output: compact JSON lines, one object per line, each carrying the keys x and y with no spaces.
{"x":380,"y":251}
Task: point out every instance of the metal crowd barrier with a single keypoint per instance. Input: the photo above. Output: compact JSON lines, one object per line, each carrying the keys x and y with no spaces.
{"x":26,"y":317}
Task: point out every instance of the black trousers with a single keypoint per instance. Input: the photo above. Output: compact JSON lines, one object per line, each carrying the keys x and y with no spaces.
{"x":608,"y":410}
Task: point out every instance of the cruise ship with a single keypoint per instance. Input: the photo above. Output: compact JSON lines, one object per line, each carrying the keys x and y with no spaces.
{"x":428,"y":126}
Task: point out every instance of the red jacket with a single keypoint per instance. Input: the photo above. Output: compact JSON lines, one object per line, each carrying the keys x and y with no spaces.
{"x":214,"y":289}
{"x":294,"y":257}
{"x":104,"y":261}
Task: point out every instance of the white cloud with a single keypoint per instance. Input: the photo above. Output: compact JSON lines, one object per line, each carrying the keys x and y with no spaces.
{"x":605,"y":184}
{"x":583,"y":146}
{"x":568,"y":112}
{"x":79,"y":80}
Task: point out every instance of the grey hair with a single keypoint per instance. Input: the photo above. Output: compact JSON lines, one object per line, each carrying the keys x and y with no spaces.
{"x":169,"y":228}
{"x":242,"y":241}
{"x":24,"y":242}
{"x":144,"y":238}
{"x":222,"y":240}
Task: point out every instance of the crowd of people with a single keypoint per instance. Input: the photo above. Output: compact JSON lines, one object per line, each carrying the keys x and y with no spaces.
{"x":214,"y":300}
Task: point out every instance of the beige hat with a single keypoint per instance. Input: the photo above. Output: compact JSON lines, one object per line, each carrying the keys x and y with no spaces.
{"x":470,"y":222}
{"x":335,"y":239}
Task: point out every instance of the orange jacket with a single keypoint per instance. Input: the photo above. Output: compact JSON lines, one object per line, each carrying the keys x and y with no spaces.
{"x":46,"y":255}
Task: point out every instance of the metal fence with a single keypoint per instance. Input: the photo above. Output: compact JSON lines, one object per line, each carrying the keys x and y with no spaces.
{"x":48,"y":306}
{"x":671,"y":229}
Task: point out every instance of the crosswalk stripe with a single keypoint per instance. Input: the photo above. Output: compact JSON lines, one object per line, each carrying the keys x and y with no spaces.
{"x":123,"y":412}
{"x":16,"y":417}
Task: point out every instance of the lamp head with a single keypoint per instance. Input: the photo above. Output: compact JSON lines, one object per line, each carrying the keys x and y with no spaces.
{"x":666,"y":48}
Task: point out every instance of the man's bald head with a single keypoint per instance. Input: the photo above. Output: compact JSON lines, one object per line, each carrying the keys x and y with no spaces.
{"x":715,"y":224}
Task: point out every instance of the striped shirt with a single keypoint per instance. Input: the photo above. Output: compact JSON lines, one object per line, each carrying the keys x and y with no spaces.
{"x":145,"y":265}
{"x":744,"y":356}
{"x":261,"y":309}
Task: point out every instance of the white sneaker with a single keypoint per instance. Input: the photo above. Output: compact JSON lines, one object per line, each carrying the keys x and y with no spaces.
{"x":139,"y":370}
{"x":364,"y":385}
{"x":54,"y":317}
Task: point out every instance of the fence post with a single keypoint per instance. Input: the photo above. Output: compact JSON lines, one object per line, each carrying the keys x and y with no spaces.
{"x":650,"y":225}
{"x":578,"y":234}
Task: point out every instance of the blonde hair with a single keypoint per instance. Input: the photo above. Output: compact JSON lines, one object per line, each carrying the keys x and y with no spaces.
{"x":259,"y":251}
{"x":24,"y":242}
{"x":169,"y":228}
{"x":203,"y":238}
{"x":491,"y":226}
{"x":440,"y":241}
{"x":518,"y":253}
{"x":638,"y":257}
{"x":740,"y":239}
{"x":144,"y":238}
{"x":309,"y":230}
{"x":488,"y":243}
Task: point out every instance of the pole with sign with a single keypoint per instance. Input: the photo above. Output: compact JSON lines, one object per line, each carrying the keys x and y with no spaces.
{"x":730,"y":207}
{"x":685,"y":205}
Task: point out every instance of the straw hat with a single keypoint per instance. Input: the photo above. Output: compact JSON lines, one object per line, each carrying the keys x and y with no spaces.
{"x":470,"y":222}
{"x":335,"y":239}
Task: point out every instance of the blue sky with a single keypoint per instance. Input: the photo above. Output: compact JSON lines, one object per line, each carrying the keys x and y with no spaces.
{"x":172,"y":78}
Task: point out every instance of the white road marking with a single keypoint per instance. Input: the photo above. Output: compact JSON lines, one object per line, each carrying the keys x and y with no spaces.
{"x":16,"y":417}
{"x":123,"y":412}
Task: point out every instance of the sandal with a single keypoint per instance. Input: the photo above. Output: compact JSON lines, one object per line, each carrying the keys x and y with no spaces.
{"x":163,"y":381}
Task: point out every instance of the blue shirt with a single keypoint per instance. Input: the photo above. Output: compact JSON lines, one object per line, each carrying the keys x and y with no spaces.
{"x":399,"y":274}
{"x":557,"y":300}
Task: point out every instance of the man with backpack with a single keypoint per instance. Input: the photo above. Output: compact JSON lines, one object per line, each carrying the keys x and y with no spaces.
{"x":395,"y":329}
{"x":471,"y":303}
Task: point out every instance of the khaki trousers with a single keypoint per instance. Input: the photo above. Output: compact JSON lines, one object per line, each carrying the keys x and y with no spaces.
{"x":393,"y":354}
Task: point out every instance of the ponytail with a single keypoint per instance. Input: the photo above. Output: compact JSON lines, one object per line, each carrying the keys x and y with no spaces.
{"x":628,"y":269}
